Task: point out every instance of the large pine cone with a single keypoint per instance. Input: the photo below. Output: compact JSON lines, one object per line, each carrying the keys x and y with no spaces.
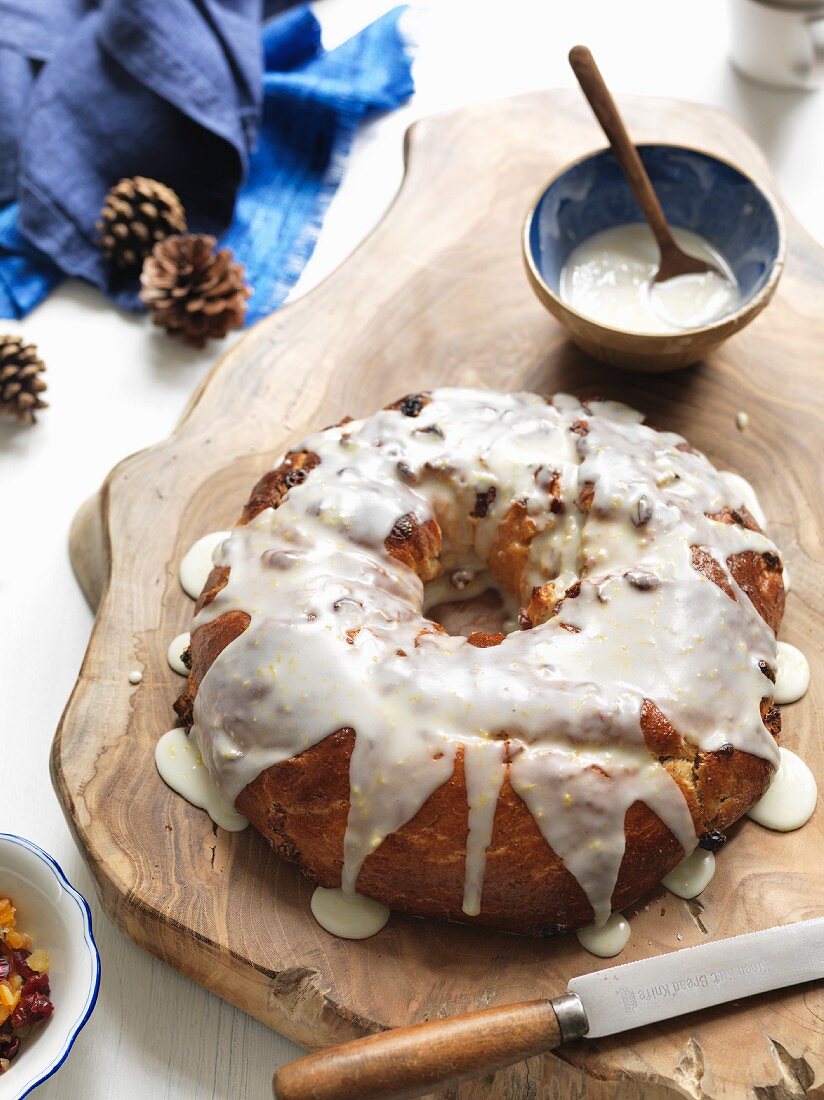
{"x":20,"y":381}
{"x":138,"y":213}
{"x":192,"y":291}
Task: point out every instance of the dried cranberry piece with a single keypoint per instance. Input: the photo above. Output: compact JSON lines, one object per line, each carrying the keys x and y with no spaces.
{"x":40,"y":1007}
{"x":38,"y":984}
{"x":9,"y":1047}
{"x":31,"y":1009}
{"x":294,"y":477}
{"x":404,"y":528}
{"x":712,"y":840}
{"x":412,"y":404}
{"x":483,"y":502}
{"x":19,"y":964}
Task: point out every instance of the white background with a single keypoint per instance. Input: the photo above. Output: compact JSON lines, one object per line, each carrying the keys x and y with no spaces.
{"x":116,"y":386}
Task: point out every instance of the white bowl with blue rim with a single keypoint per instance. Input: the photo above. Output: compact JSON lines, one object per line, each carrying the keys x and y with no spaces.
{"x":58,"y":919}
{"x":698,"y":191}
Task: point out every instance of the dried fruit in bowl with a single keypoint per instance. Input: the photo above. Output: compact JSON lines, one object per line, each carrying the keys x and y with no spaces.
{"x":24,"y":985}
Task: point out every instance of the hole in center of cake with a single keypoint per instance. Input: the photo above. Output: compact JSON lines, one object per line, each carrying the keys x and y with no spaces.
{"x":467,"y":599}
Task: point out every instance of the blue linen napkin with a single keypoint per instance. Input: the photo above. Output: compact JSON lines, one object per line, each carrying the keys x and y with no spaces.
{"x":179,"y":90}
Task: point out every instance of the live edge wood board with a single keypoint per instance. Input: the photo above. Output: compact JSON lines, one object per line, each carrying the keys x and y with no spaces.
{"x":437,"y":296}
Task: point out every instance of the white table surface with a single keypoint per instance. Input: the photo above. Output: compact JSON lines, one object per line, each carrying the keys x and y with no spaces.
{"x":116,"y":386}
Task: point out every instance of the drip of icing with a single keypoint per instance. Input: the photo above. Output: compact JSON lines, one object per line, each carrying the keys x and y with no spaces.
{"x":337,"y":636}
{"x":692,"y":875}
{"x":174,"y":654}
{"x":181,"y":768}
{"x":790,"y":799}
{"x":196,"y":564}
{"x":350,"y":916}
{"x":605,"y":940}
{"x":135,"y":677}
{"x":785,"y":575}
{"x":741,"y":492}
{"x":792,"y":674}
{"x":484,"y":770}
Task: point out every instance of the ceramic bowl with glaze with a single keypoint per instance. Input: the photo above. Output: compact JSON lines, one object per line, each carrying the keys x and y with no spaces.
{"x":58,"y":919}
{"x":697,"y":191}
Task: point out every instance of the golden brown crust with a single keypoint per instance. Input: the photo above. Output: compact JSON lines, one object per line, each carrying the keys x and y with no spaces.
{"x":301,"y":805}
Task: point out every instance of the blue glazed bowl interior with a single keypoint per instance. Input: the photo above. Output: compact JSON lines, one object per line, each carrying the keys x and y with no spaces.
{"x":696,"y":191}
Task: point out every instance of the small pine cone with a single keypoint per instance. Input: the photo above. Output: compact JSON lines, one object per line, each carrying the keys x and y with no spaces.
{"x":192,"y":291}
{"x":138,"y":213}
{"x":20,"y":381}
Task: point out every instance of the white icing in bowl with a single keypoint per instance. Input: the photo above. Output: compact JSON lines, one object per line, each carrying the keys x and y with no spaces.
{"x":610,"y":278}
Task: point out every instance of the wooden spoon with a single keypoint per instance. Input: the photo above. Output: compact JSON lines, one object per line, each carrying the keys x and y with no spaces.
{"x":674,"y":261}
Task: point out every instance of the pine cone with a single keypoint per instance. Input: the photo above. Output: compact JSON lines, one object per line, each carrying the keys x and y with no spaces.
{"x":137,"y":214}
{"x":192,"y":291}
{"x":20,"y":381}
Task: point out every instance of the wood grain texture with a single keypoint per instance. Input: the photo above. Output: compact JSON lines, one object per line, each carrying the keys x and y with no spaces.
{"x":437,"y":296}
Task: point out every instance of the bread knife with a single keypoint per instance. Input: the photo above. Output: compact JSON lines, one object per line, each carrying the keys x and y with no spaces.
{"x":410,"y":1061}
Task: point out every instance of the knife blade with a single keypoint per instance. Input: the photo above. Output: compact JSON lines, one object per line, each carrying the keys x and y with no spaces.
{"x":407,"y":1062}
{"x":693,"y":978}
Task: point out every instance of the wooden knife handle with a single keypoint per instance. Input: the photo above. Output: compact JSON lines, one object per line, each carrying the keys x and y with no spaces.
{"x":606,"y":111}
{"x":411,"y":1061}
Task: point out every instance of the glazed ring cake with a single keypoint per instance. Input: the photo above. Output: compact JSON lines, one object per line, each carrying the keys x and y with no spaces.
{"x":530,"y":778}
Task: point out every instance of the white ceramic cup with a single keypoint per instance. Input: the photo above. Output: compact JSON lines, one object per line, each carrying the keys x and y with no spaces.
{"x":779,"y":42}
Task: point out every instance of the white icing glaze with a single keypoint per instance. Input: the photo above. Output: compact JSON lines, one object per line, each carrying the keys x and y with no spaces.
{"x":135,"y":677}
{"x":741,"y":492}
{"x":692,"y":875}
{"x":181,"y":768}
{"x":790,"y":799}
{"x":742,"y":421}
{"x":609,"y":277}
{"x":177,"y":647}
{"x":792,"y":675}
{"x":196,"y":564}
{"x":350,"y":916}
{"x":337,"y":636}
{"x":605,"y":940}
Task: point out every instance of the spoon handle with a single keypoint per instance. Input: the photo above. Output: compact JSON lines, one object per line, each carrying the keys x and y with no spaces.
{"x":606,"y":111}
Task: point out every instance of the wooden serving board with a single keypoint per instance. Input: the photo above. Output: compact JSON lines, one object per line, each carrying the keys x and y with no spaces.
{"x":437,"y":296}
